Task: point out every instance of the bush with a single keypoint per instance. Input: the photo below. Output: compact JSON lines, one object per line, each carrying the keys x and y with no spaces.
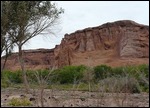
{"x":15,"y":77}
{"x":102,"y":71}
{"x":117,"y":71}
{"x":119,"y":85}
{"x":143,"y":77}
{"x":120,"y":71}
{"x":144,"y":68}
{"x":41,"y":73}
{"x":12,"y":77}
{"x":69,"y":74}
{"x":31,"y":77}
{"x":54,"y":77}
{"x":74,"y":74}
{"x":88,"y":75}
{"x":4,"y":79}
{"x":141,"y":73}
{"x":5,"y":83}
{"x":19,"y":102}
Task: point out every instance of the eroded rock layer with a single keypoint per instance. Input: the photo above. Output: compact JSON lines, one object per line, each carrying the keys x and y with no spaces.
{"x":118,"y":43}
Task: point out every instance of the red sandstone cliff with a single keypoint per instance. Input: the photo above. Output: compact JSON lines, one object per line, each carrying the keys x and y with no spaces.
{"x":117,"y":43}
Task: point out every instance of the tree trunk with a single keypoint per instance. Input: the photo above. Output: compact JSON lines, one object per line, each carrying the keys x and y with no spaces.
{"x":4,"y":63}
{"x":41,"y":96}
{"x":6,"y":56}
{"x":25,"y":81}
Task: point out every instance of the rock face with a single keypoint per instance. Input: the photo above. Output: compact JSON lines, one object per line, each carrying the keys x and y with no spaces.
{"x":117,"y":43}
{"x":33,"y":59}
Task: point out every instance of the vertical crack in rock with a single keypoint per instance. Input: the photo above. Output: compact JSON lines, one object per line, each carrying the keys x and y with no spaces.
{"x":105,"y":44}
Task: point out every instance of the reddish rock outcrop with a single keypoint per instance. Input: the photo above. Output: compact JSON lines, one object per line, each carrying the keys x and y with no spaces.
{"x":118,"y":43}
{"x":33,"y":59}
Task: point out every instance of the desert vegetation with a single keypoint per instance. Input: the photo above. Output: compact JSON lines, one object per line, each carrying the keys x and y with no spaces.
{"x":102,"y":79}
{"x":70,"y":86}
{"x":68,"y":75}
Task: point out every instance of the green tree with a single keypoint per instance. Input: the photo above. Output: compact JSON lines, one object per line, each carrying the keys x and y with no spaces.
{"x":28,"y":19}
{"x":6,"y":43}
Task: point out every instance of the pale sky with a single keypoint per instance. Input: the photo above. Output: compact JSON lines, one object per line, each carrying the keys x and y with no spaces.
{"x":82,"y":14}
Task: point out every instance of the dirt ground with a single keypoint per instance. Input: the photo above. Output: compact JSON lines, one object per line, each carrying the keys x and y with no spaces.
{"x":57,"y":98}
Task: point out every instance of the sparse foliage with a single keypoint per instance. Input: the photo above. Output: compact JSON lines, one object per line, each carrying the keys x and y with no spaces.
{"x":19,"y":102}
{"x":133,"y":78}
{"x":27,"y":19}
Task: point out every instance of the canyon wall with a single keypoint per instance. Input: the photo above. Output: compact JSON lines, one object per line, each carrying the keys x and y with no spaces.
{"x":117,"y":43}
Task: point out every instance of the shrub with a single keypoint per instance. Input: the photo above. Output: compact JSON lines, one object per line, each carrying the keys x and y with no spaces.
{"x":119,"y":84}
{"x":5,"y":83}
{"x":12,"y":77}
{"x":15,"y":77}
{"x":88,"y":76}
{"x":119,"y":71}
{"x":69,"y":74}
{"x":19,"y":102}
{"x":5,"y":74}
{"x":54,"y":77}
{"x":4,"y":79}
{"x":140,"y":73}
{"x":31,"y":75}
{"x":143,"y":77}
{"x":144,"y":68}
{"x":102,"y":71}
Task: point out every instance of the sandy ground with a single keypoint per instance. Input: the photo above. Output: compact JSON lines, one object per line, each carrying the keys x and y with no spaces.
{"x":57,"y":98}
